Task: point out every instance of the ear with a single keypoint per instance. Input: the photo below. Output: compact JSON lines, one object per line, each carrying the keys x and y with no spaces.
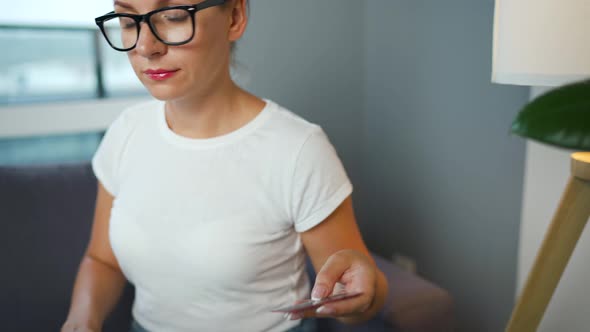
{"x":238,"y":20}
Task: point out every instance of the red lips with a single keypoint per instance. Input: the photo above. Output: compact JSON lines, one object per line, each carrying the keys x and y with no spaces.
{"x":160,"y":74}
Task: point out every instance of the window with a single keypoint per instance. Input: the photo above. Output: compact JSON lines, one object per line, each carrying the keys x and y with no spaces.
{"x":43,"y":70}
{"x":46,"y":65}
{"x":55,"y":64}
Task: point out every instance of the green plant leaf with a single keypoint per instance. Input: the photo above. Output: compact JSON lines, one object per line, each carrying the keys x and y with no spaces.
{"x":560,"y":117}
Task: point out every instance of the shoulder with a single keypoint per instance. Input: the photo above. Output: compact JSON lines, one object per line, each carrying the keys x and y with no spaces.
{"x":136,"y":113}
{"x":135,"y":116}
{"x":291,"y":126}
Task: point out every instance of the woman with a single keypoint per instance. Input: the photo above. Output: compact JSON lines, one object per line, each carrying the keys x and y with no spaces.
{"x":209,"y":197}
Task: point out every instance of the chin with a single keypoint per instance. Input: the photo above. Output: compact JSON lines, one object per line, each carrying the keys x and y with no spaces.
{"x":163,"y":93}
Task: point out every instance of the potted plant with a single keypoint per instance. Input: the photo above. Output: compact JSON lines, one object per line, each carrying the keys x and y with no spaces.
{"x":560,"y":117}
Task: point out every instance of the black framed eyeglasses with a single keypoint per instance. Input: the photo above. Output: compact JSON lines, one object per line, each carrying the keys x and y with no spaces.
{"x":174,"y":25}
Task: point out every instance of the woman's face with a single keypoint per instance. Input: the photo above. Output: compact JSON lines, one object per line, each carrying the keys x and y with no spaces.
{"x":173,"y":72}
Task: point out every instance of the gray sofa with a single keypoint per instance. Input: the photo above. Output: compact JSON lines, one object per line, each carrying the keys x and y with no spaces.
{"x":45,"y":220}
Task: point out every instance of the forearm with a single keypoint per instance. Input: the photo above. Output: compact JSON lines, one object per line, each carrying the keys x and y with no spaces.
{"x":97,"y":290}
{"x":378,"y":302}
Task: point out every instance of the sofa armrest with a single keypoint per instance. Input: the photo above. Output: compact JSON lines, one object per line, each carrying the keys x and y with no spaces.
{"x":413,"y":303}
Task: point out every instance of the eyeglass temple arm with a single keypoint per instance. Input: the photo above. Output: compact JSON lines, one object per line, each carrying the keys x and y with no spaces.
{"x":208,"y":3}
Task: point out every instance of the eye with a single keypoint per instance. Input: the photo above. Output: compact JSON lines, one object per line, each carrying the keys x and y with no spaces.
{"x":126,"y":23}
{"x":175,"y":16}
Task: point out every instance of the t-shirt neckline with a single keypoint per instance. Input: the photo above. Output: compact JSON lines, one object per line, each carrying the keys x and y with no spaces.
{"x":201,"y":143}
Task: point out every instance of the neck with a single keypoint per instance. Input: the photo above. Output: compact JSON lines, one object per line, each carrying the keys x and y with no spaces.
{"x":211,"y":112}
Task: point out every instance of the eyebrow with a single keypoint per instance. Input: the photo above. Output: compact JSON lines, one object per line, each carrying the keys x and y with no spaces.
{"x":123,"y":4}
{"x":130,"y":7}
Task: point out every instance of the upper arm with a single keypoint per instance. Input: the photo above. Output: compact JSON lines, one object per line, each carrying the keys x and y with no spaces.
{"x":338,"y":231}
{"x":99,"y":246}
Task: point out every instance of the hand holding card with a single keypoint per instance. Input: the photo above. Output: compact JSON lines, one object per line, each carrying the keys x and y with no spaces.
{"x":312,"y":304}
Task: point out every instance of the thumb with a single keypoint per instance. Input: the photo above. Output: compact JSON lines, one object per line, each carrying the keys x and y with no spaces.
{"x":328,"y":276}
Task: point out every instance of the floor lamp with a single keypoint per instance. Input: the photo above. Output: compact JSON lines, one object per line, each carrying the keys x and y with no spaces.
{"x":546,"y":43}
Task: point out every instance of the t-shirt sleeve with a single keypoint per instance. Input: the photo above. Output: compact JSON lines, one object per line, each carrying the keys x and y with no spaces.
{"x":320,"y":182}
{"x":107,"y":158}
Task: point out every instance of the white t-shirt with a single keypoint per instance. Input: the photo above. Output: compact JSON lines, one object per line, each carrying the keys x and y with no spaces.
{"x":207,"y":229}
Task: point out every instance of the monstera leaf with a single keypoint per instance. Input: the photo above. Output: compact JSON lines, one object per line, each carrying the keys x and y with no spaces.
{"x":560,"y":117}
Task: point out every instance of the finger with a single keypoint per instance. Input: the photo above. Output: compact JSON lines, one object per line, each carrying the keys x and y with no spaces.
{"x":295,"y":315}
{"x":340,"y":308}
{"x":352,"y":306}
{"x":329,"y":274}
{"x":363,"y":283}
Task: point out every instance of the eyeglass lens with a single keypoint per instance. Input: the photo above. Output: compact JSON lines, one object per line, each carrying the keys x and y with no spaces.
{"x":171,"y":26}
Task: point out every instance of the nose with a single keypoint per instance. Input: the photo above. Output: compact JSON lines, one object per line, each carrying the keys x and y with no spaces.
{"x":147,"y":44}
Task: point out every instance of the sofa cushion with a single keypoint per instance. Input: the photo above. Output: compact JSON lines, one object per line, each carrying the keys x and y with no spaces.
{"x":47,"y":214}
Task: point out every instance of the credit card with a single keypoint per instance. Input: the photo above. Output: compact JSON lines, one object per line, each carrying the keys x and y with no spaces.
{"x":312,"y":304}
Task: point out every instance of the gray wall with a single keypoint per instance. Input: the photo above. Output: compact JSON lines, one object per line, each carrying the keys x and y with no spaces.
{"x":442,"y":178}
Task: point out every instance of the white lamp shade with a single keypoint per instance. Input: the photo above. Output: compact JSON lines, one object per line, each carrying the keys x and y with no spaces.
{"x":541,"y":42}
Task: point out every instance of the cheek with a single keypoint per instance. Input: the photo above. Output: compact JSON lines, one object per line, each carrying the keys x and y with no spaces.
{"x":211,"y":34}
{"x":134,"y":63}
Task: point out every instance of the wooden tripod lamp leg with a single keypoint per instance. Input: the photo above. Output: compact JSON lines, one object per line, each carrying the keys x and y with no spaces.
{"x":560,"y":240}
